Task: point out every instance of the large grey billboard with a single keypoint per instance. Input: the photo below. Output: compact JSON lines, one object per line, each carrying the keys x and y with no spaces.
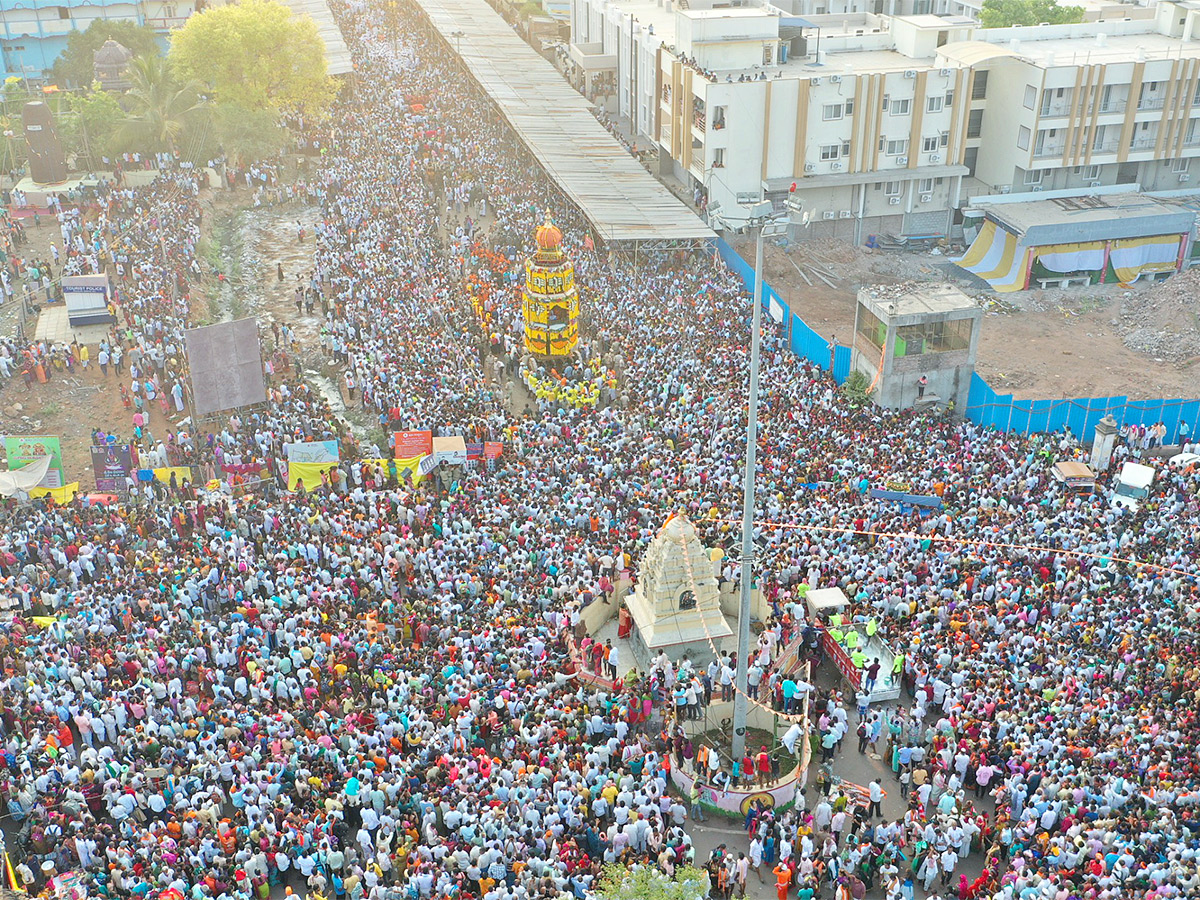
{"x":226,"y":366}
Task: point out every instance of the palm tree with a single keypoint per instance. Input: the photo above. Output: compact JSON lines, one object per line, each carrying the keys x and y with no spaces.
{"x":159,"y":108}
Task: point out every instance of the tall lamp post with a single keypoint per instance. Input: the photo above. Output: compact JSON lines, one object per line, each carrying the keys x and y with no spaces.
{"x":763,"y":222}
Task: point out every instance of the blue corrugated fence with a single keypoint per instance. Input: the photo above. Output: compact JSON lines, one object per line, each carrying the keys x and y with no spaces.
{"x":984,"y":405}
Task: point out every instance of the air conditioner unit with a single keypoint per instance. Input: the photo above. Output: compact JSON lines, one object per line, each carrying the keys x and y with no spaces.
{"x":902,"y":160}
{"x":925,"y":198}
{"x":910,"y":73}
{"x":837,"y":167}
{"x":935,"y":157}
{"x":1036,"y":188}
{"x":845,"y":214}
{"x":814,"y":81}
{"x":835,"y":79}
{"x":1184,"y":177}
{"x":945,"y":71}
{"x":810,"y":167}
{"x":829,"y":214}
{"x":1006,"y":188}
{"x":893,"y":201}
{"x":1095,"y":183}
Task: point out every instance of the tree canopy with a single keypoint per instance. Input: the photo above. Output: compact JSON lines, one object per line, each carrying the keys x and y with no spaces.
{"x":161,"y":107}
{"x":1003,"y":13}
{"x":650,"y":883}
{"x":255,"y":54}
{"x":74,"y":68}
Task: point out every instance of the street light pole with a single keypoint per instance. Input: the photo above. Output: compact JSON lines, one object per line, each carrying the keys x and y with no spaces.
{"x":763,"y":221}
{"x":741,"y":702}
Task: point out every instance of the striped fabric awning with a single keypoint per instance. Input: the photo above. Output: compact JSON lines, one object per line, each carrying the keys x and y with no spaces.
{"x":997,"y":258}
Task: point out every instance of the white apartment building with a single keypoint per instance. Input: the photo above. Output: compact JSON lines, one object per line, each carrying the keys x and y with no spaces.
{"x":889,"y":124}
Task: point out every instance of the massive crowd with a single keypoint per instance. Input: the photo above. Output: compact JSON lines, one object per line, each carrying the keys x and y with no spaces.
{"x":366,"y":689}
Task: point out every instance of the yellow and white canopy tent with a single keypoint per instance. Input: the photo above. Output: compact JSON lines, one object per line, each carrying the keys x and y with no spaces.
{"x":996,"y":256}
{"x":1116,"y":237}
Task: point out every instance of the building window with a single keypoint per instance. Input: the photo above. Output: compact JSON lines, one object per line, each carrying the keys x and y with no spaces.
{"x":1034,"y":176}
{"x":831,"y":152}
{"x":719,"y":158}
{"x":1030,"y":96}
{"x":892,"y":188}
{"x":901,"y":107}
{"x":925,"y":186}
{"x":897,"y":148}
{"x":932,"y":337}
{"x":979,"y":86}
{"x":1023,"y":135}
{"x":975,"y":123}
{"x":64,"y":12}
{"x":718,"y":118}
{"x":934,"y":104}
{"x":768,"y":54}
{"x":1181,"y":166}
{"x":849,"y":107}
{"x":870,"y":328}
{"x":831,"y":111}
{"x":929,"y":144}
{"x":944,"y":139}
{"x":949,"y":98}
{"x":1089,"y":173}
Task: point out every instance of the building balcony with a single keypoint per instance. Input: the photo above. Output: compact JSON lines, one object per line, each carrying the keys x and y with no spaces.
{"x":1151,"y":103}
{"x":1048,"y":151}
{"x":1143,"y":144}
{"x":1113,"y":106}
{"x":699,"y":122}
{"x":166,"y":23}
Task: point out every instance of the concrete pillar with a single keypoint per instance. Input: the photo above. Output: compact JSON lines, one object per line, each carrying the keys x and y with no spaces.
{"x":1102,"y":445}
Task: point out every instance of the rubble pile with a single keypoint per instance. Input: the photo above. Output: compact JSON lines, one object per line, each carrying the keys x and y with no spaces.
{"x":1164,"y":322}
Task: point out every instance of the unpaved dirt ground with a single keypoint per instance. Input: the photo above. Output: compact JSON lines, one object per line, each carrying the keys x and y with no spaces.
{"x":245,"y":244}
{"x":1034,"y":344}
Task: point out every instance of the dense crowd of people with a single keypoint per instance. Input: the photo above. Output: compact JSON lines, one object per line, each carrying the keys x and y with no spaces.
{"x":367,"y":688}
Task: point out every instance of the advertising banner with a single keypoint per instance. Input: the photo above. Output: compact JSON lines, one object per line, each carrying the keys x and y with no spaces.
{"x":412,"y":443}
{"x":450,"y":450}
{"x":111,"y":464}
{"x":312,"y":452}
{"x":24,"y":450}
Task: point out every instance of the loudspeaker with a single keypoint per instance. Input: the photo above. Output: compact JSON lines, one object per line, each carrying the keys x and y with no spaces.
{"x":47,"y":164}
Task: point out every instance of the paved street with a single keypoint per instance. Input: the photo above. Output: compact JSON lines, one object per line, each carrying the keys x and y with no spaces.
{"x":848,"y":765}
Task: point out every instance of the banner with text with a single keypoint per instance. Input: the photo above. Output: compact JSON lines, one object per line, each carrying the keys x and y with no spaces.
{"x":23,"y":450}
{"x":412,"y":443}
{"x":312,"y":452}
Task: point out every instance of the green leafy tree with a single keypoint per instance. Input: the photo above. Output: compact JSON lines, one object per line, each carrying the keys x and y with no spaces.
{"x":257,"y":55}
{"x":74,"y":67}
{"x":160,"y":107}
{"x":88,"y":124}
{"x":1003,"y":13}
{"x":248,"y":134}
{"x":857,"y":388}
{"x":649,"y":883}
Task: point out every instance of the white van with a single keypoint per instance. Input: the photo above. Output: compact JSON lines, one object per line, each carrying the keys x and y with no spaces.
{"x":1133,"y":486}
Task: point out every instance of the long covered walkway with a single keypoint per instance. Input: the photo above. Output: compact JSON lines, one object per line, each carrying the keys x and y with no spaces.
{"x":622,"y":201}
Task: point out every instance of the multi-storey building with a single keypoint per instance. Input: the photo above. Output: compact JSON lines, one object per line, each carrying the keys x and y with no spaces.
{"x":34,"y":32}
{"x":890,"y":123}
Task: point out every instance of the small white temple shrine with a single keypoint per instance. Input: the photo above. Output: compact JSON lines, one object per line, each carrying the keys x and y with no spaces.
{"x":676,"y":604}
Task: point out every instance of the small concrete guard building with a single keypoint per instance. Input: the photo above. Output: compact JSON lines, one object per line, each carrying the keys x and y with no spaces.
{"x":907,"y":332}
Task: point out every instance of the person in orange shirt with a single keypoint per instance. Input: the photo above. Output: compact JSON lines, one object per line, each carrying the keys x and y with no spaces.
{"x":783,"y":878}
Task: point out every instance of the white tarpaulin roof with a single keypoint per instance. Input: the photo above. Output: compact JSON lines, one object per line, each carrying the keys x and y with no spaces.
{"x":825,"y":600}
{"x":24,"y":479}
